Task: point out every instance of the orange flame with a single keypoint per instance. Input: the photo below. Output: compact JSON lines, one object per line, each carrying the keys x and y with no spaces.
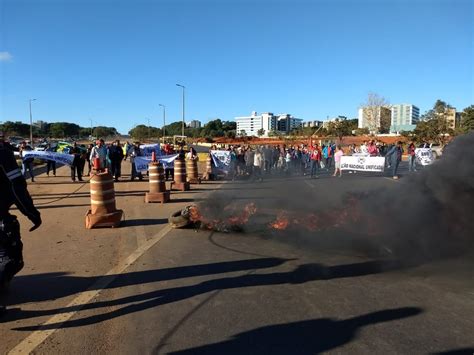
{"x":281,"y":222}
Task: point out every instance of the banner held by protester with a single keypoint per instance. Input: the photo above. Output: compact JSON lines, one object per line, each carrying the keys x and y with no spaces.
{"x":141,"y":163}
{"x":424,"y":156}
{"x":362,"y":163}
{"x":60,"y":158}
{"x":221,"y":160}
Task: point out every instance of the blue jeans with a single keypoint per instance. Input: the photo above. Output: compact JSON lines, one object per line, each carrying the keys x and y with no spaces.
{"x":314,"y":167}
{"x":27,"y":165}
{"x":395,"y":167}
{"x":411,"y":163}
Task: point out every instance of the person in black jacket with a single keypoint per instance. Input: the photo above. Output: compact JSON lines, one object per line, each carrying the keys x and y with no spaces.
{"x":51,"y":164}
{"x":13,"y":190}
{"x":77,"y":164}
{"x":116,"y":156}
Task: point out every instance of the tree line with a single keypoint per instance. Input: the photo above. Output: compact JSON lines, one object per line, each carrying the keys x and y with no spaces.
{"x":433,"y":126}
{"x":212,"y":129}
{"x":56,"y":130}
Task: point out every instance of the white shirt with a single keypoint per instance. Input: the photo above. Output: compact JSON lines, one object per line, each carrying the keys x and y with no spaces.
{"x":257,"y":159}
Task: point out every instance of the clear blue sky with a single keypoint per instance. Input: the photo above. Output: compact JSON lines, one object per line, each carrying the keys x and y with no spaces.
{"x":115,"y":61}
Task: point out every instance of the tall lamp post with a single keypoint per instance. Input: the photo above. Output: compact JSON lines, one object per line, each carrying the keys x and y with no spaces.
{"x":164,"y":122}
{"x":182,"y":125}
{"x":149,"y":135}
{"x":31,"y":124}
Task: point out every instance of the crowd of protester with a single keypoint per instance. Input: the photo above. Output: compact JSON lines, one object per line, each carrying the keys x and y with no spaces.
{"x":245,"y":160}
{"x":311,"y":159}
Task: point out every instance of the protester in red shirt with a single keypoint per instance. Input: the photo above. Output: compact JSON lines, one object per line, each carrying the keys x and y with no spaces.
{"x":315,"y":160}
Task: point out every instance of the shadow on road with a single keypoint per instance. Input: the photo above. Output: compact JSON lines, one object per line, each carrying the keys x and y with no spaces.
{"x":306,"y":337}
{"x":462,"y":351}
{"x":62,"y":206}
{"x":51,"y":286}
{"x":140,"y":302}
{"x":143,"y":222}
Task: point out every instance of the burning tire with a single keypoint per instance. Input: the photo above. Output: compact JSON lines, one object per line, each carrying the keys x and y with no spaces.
{"x":177,"y":220}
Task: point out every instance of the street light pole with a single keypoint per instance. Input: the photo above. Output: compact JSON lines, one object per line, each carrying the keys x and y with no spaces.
{"x":31,"y":124}
{"x":148,"y":129}
{"x":182,"y":125}
{"x":164,"y":122}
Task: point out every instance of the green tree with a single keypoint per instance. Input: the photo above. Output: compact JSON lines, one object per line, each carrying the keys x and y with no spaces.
{"x":16,"y":128}
{"x":361,"y":131}
{"x":467,"y":119}
{"x":140,"y":132}
{"x":102,"y":131}
{"x":230,"y":134}
{"x":433,"y":125}
{"x":64,"y":129}
{"x":229,"y":126}
{"x":260,"y":132}
{"x":440,"y":106}
{"x":340,"y":128}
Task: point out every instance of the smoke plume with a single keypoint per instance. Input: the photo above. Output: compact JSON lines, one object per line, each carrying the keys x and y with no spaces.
{"x":424,"y":215}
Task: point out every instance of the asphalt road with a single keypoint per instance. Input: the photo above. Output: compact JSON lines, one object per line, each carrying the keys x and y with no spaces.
{"x":259,"y":291}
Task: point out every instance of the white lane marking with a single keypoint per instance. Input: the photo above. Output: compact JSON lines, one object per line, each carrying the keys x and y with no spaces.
{"x":33,"y":340}
{"x":309,"y":184}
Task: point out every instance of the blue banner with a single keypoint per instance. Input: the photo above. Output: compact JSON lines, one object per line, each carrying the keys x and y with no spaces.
{"x":147,"y":149}
{"x":141,"y":163}
{"x":61,"y":158}
{"x":221,"y":160}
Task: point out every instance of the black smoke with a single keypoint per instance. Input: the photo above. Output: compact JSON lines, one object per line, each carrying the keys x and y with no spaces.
{"x":422,"y":216}
{"x":430,"y":213}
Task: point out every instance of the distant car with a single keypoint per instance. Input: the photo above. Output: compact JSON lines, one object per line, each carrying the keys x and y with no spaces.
{"x":436,"y":149}
{"x":66,"y":149}
{"x":41,"y":147}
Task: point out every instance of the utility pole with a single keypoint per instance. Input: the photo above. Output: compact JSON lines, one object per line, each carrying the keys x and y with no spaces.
{"x":31,"y":125}
{"x":164,"y":122}
{"x":182,"y":124}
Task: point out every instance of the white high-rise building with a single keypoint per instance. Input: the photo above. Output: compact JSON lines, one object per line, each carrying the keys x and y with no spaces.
{"x":268,"y":122}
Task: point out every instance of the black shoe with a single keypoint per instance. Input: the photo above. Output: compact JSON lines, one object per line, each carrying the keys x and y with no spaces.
{"x":3,"y":310}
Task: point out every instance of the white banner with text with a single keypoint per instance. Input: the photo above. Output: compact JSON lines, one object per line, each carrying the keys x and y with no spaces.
{"x":424,"y":156}
{"x":362,"y":163}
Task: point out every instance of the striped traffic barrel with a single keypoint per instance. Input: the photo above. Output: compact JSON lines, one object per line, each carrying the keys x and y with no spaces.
{"x":209,"y":164}
{"x":156,"y":178}
{"x":179,"y":171}
{"x":102,"y":193}
{"x":192,"y":171}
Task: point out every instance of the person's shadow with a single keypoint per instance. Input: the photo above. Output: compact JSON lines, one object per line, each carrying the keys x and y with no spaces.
{"x":155,"y":298}
{"x":303,"y":338}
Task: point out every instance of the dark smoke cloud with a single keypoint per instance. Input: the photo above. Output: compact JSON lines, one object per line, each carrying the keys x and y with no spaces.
{"x":431,"y":212}
{"x":425,"y":215}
